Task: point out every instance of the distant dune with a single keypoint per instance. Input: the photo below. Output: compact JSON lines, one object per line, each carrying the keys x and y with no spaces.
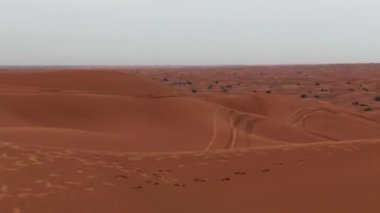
{"x":117,"y":140}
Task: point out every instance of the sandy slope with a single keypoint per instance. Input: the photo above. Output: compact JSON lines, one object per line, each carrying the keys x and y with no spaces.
{"x":109,"y":141}
{"x":322,"y":177}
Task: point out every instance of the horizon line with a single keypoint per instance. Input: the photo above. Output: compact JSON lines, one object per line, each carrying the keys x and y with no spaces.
{"x":181,"y":66}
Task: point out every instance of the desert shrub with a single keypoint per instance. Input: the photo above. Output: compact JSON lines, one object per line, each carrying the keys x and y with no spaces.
{"x":268,"y":91}
{"x":189,"y":82}
{"x":303,"y":96}
{"x":317,"y":96}
{"x":216,"y":82}
{"x":366,"y":89}
{"x":298,"y":84}
{"x":194,"y":91}
{"x":377,"y":98}
{"x":351,"y":89}
{"x":165,"y":79}
{"x":210,"y":87}
{"x":317,"y":84}
{"x":255,"y":91}
{"x":363,"y":105}
{"x":367,"y":109}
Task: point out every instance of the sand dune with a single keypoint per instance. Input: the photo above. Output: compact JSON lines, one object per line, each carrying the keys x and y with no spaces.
{"x":113,"y":141}
{"x":98,"y":82}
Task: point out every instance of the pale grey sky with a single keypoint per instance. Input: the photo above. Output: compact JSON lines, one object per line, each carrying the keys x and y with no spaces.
{"x":188,"y":32}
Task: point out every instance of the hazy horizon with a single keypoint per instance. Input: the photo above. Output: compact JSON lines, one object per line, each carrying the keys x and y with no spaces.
{"x":171,"y":33}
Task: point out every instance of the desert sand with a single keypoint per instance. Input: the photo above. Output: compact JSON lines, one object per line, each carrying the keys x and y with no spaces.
{"x":190,"y":139}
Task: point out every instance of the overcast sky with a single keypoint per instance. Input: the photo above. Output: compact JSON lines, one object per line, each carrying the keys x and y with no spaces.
{"x":188,"y":32}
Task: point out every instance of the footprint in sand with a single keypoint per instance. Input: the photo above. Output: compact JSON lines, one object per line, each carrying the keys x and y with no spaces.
{"x":156,"y":175}
{"x":278,"y":164}
{"x":120,"y":177}
{"x":137,"y":187}
{"x":180,"y":185}
{"x":240,"y":173}
{"x":225,"y":179}
{"x":201,"y":180}
{"x":265,"y":171}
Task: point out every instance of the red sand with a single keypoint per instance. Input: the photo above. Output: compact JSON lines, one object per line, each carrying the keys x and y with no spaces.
{"x":114,"y":140}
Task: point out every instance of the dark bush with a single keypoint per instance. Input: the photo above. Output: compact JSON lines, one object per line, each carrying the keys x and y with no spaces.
{"x":367,"y":109}
{"x":317,"y":96}
{"x":194,"y":91}
{"x":317,"y":84}
{"x":377,"y":98}
{"x":268,"y":91}
{"x":303,"y":96}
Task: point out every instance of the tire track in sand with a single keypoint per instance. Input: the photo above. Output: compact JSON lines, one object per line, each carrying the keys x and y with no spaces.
{"x":214,"y":130}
